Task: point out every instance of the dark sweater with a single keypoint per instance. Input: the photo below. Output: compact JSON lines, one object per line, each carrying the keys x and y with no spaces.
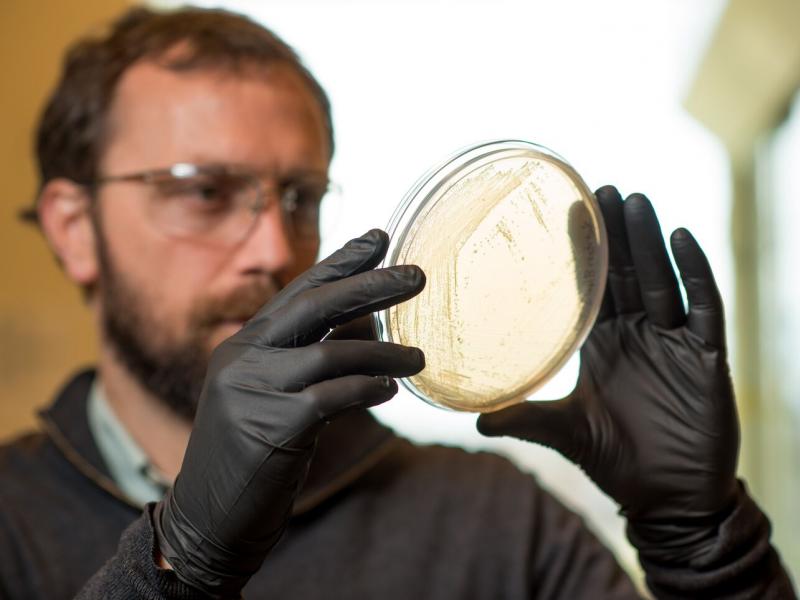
{"x":378,"y":518}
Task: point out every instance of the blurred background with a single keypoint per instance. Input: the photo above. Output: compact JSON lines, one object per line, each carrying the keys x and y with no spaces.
{"x":693,"y":102}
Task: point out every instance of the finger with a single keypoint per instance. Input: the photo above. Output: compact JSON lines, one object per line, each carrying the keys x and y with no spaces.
{"x":607,"y":309}
{"x":362,"y":328}
{"x":356,"y":256}
{"x":300,"y":415}
{"x":706,"y":315}
{"x":332,"y":359}
{"x":622,"y":285}
{"x":661,"y":295}
{"x":551,"y":424}
{"x":351,"y":392}
{"x":314,"y":312}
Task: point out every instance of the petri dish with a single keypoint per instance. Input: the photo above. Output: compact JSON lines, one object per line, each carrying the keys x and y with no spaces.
{"x":512,"y":243}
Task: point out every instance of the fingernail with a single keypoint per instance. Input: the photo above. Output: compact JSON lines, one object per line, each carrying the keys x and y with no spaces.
{"x":365,"y":241}
{"x":608,"y":191}
{"x":413,"y":274}
{"x":375,"y":236}
{"x":638,"y":200}
{"x":680,"y":234}
{"x":420,"y":355}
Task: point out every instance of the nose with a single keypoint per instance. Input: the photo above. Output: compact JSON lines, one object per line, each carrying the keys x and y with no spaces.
{"x":268,"y":248}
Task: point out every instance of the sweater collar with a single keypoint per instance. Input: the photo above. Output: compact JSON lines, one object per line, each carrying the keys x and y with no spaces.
{"x":347,"y":448}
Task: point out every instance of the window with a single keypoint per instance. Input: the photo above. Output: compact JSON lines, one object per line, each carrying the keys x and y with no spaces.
{"x":776,"y":474}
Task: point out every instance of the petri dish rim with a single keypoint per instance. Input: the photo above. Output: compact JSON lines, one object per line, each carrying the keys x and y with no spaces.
{"x":447,"y":173}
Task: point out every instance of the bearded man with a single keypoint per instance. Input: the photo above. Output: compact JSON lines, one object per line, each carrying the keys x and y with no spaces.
{"x":183,"y":158}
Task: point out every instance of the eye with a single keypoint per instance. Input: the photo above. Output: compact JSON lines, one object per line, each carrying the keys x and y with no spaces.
{"x":302,"y":198}
{"x":203,"y":192}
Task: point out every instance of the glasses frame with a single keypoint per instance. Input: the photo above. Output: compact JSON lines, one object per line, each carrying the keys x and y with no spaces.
{"x":285,"y":185}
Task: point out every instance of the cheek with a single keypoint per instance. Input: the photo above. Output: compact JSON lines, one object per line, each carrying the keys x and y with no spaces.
{"x":305,"y":255}
{"x":165,"y":274}
{"x":219,"y":335}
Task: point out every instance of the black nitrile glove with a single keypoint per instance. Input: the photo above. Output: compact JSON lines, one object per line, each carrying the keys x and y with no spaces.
{"x":268,"y":391}
{"x":652,"y":419}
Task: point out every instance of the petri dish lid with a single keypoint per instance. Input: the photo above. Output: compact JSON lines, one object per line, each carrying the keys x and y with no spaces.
{"x":512,"y":243}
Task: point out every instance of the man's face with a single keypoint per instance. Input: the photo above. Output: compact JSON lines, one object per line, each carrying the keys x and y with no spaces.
{"x":167,"y":301}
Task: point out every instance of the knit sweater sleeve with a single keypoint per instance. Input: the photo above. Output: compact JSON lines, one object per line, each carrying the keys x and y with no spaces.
{"x":132,"y":572}
{"x":732,"y":558}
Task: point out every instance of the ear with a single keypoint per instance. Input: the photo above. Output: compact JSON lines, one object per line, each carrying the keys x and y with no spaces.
{"x":64,"y":209}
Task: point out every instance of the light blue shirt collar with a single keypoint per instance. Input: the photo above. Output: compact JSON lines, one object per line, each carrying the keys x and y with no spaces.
{"x":129,"y":466}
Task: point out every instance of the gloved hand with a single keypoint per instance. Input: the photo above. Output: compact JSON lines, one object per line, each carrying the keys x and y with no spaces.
{"x":652,"y":420}
{"x":269,"y":389}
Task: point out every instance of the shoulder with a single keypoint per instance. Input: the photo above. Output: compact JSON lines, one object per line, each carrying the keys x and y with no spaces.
{"x":456,"y":464}
{"x":37,"y":478}
{"x":28,"y":443}
{"x":472,"y":481}
{"x":32,"y":472}
{"x":24,"y":459}
{"x":478,"y":506}
{"x":27,"y":486}
{"x":48,"y":509}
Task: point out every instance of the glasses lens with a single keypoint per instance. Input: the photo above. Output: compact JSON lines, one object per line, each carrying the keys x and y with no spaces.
{"x":213,"y":204}
{"x":302,"y":200}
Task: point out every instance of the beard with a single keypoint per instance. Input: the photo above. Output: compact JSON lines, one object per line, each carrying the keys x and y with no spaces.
{"x":171,"y":367}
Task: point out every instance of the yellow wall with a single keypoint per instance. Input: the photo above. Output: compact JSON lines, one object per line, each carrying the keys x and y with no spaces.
{"x":45,"y":332}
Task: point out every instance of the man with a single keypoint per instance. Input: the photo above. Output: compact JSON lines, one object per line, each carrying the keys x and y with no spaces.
{"x":182,"y":160}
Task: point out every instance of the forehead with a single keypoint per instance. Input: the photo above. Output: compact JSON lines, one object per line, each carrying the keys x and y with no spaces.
{"x":265,"y":116}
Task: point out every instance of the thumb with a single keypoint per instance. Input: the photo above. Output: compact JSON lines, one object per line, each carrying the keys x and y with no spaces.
{"x":550,"y":423}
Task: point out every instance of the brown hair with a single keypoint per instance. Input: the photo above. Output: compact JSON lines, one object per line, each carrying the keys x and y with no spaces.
{"x":71,"y":132}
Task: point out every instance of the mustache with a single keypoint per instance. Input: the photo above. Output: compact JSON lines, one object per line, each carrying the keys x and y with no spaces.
{"x":238,"y":305}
